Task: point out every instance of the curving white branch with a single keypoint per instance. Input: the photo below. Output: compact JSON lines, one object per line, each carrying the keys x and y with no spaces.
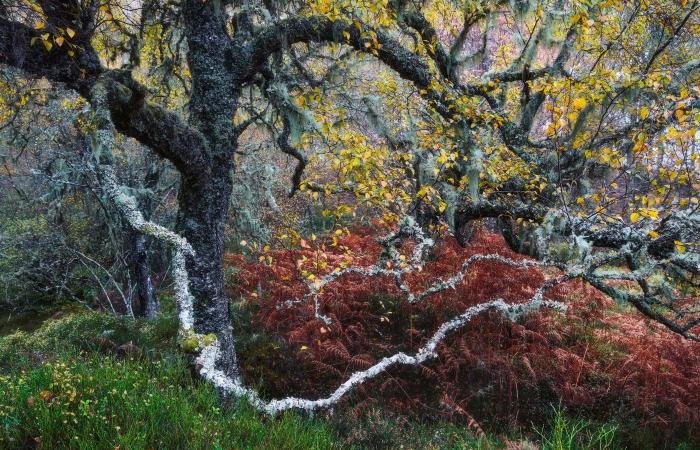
{"x":127,"y":207}
{"x":102,"y":142}
{"x":208,"y":357}
{"x":394,"y":268}
{"x":398,"y":266}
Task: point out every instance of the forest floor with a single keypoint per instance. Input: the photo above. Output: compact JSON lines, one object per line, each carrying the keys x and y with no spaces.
{"x":600,"y":377}
{"x":68,"y":385}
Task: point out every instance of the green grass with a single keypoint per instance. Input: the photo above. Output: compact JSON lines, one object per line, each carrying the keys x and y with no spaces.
{"x":100,"y":402}
{"x":566,"y":433}
{"x":61,"y":389}
{"x":83,"y":399}
{"x":84,"y":331}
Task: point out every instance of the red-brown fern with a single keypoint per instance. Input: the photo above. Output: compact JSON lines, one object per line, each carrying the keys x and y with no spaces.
{"x":594,"y":358}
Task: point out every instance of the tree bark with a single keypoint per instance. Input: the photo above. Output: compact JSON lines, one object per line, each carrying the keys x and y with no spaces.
{"x":204,"y":201}
{"x":203,"y":213}
{"x":148,"y":305}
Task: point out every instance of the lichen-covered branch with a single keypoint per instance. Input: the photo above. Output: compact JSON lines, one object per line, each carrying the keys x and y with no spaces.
{"x":208,"y":357}
{"x":102,"y":142}
{"x":398,"y":265}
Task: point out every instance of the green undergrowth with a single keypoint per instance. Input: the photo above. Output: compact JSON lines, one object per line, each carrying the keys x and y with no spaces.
{"x":68,"y":385}
{"x":85,"y":331}
{"x":63,"y":389}
{"x":100,"y":402}
{"x":565,"y":433}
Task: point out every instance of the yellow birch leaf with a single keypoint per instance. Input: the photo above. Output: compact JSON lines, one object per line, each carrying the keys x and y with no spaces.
{"x":579,"y":103}
{"x":644,"y":112}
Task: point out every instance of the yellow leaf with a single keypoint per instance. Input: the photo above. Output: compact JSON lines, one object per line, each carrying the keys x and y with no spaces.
{"x":644,"y":112}
{"x":679,"y":114}
{"x":579,"y":103}
{"x":679,"y":246}
{"x":70,"y":32}
{"x":59,"y":41}
{"x":39,"y":24}
{"x":580,"y":201}
{"x":634,"y":217}
{"x":653,"y":234}
{"x":47,"y":45}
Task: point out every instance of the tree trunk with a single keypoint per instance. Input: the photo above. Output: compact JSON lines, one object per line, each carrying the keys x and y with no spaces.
{"x":204,"y":199}
{"x":149,"y":306}
{"x":203,"y":213}
{"x":140,"y":254}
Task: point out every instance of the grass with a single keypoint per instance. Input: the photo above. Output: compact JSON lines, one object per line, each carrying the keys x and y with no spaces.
{"x":84,"y":331}
{"x":566,"y":433}
{"x":62,"y":390}
{"x":100,"y":402}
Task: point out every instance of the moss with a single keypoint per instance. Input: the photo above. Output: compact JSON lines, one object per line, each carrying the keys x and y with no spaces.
{"x":189,"y":345}
{"x":209,"y":339}
{"x":84,"y":331}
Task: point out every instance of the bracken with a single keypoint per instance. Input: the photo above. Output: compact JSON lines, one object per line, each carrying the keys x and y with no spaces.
{"x":596,"y":358}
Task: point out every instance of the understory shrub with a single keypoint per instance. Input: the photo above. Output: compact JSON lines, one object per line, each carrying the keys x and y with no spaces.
{"x":597,"y":359}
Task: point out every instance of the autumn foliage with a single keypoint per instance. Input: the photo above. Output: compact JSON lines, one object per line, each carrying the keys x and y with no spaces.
{"x":598,"y":357}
